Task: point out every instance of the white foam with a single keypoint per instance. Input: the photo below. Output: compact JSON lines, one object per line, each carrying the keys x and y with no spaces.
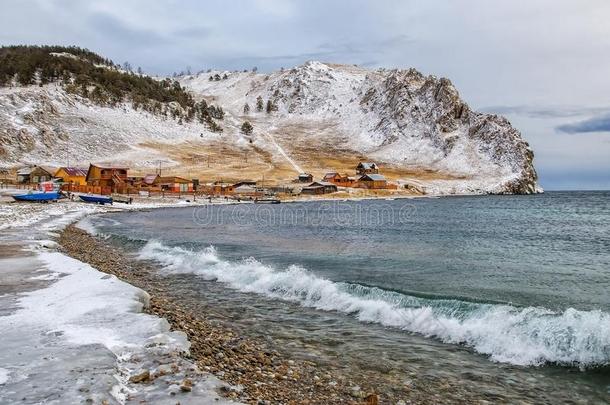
{"x":3,"y":376}
{"x":522,"y":336}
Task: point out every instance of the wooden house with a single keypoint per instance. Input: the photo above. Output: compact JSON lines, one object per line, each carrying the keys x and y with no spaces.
{"x":305,"y":178}
{"x":23,"y":175}
{"x":72,"y":175}
{"x":367,"y":168}
{"x":372,"y":181}
{"x":174,"y":184}
{"x":319,"y":187}
{"x":341,"y":180}
{"x":106,"y":176}
{"x":41,"y":174}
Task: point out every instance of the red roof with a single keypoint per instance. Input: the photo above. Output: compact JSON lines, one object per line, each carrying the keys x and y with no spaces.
{"x":74,"y":171}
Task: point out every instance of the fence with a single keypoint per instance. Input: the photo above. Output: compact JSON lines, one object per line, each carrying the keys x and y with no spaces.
{"x":74,"y":188}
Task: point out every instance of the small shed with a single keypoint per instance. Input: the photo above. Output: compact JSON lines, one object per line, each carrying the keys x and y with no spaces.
{"x":305,"y":178}
{"x":367,"y":168}
{"x":23,"y":175}
{"x":174,"y":184}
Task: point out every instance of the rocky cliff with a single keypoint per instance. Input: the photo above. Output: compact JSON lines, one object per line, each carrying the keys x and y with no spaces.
{"x":399,"y":117}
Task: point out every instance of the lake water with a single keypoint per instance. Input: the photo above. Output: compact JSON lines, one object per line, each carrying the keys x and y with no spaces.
{"x":509,"y":295}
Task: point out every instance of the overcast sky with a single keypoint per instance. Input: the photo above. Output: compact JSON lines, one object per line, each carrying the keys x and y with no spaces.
{"x":545,"y":64}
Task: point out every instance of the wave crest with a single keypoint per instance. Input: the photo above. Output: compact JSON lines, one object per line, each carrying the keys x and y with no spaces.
{"x":521,"y":336}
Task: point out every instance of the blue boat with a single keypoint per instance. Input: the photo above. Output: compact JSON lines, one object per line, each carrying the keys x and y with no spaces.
{"x":96,"y":199}
{"x":37,"y":196}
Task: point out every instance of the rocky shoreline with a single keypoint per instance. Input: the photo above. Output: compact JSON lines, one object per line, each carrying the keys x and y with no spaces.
{"x":258,"y":374}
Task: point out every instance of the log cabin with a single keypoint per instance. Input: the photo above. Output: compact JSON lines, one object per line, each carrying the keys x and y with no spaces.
{"x":106,"y":176}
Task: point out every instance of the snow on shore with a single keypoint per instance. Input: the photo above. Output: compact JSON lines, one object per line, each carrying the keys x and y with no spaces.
{"x":80,"y":334}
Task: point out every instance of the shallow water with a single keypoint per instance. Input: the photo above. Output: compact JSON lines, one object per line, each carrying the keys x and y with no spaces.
{"x":508,"y":294}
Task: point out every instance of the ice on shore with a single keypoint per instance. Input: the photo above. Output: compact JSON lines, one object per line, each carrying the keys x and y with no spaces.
{"x":79,"y":334}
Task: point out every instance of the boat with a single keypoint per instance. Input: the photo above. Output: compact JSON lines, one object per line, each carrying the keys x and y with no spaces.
{"x":37,"y":196}
{"x":267,"y":201}
{"x":96,"y":199}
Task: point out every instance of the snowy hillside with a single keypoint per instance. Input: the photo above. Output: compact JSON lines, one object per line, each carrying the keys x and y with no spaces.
{"x":47,"y":125}
{"x":398,"y":117}
{"x":323,"y":117}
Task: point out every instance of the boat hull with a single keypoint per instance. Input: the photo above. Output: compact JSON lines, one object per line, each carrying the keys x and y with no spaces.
{"x":94,"y":199}
{"x":37,"y":197}
{"x":267,"y":201}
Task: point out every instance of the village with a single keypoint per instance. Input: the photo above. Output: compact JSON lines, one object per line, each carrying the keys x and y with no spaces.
{"x":117,"y":183}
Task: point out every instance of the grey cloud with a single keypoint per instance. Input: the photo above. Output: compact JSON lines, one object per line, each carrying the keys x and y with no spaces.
{"x":361,"y":53}
{"x":545,"y":112}
{"x":114,"y":29}
{"x":595,"y":124}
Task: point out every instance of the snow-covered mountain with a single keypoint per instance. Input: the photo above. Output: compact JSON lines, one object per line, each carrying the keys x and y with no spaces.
{"x":400,"y":117}
{"x":403,"y":120}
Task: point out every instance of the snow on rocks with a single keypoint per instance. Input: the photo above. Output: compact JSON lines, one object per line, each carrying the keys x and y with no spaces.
{"x":44,"y":124}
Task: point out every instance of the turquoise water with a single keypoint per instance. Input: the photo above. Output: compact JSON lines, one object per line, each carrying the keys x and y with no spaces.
{"x":518,"y":283}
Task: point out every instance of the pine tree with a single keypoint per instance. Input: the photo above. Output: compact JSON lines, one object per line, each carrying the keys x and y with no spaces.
{"x":246,"y":108}
{"x":246,"y":128}
{"x":271,"y":106}
{"x":259,"y":104}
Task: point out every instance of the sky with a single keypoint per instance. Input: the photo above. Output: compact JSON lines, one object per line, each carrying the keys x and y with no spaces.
{"x":544,"y":64}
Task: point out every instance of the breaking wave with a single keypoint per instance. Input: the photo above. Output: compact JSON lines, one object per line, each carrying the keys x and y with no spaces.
{"x":521,"y":336}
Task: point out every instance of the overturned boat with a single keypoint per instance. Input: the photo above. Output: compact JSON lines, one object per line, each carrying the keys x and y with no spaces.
{"x":37,"y":196}
{"x":96,"y":199}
